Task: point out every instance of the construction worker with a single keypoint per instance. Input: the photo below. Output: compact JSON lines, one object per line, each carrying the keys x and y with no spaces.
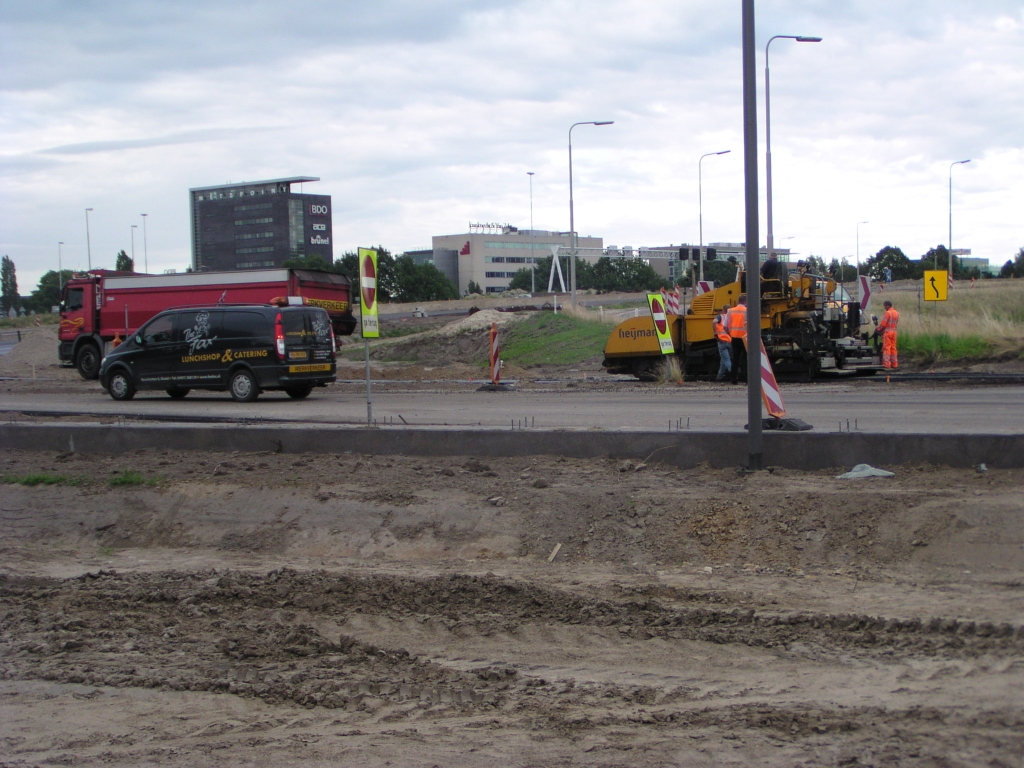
{"x":887,"y":329}
{"x":724,"y":345}
{"x":736,"y":325}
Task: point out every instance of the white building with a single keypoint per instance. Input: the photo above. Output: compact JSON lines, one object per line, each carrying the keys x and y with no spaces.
{"x":491,"y":254}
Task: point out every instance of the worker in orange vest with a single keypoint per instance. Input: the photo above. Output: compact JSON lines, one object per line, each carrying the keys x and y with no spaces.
{"x":887,"y":329}
{"x":736,"y":325}
{"x":724,"y":345}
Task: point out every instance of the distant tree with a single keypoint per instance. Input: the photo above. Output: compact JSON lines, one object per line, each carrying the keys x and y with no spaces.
{"x":312,"y":261}
{"x":894,"y":259}
{"x":842,"y":271}
{"x":421,"y":282}
{"x":47,"y":293}
{"x":8,"y":285}
{"x":125,"y":263}
{"x":1018,"y":264}
{"x":815,"y":265}
{"x":473,"y":288}
{"x":723,"y":272}
{"x":936,"y":258}
{"x":387,"y":285}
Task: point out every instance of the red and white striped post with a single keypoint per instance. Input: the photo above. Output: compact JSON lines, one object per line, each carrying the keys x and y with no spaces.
{"x":495,"y":358}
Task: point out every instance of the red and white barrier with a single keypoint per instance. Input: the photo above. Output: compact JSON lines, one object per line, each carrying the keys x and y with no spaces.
{"x":770,"y":393}
{"x":495,"y":359}
{"x":703,"y":286}
{"x":671,"y":301}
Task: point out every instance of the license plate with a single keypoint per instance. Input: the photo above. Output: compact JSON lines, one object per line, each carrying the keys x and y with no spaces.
{"x":298,"y":355}
{"x":309,"y":368}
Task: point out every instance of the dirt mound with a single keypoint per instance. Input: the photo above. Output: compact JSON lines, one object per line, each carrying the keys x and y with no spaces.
{"x":482,"y":320}
{"x":36,"y":352}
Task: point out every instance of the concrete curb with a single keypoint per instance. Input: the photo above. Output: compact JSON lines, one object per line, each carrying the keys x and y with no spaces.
{"x":804,"y":450}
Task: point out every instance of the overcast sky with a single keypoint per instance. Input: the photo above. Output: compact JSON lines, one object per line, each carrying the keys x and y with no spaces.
{"x":420,"y":116}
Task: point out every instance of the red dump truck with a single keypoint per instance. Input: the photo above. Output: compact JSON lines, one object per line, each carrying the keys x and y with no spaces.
{"x":102,"y":306}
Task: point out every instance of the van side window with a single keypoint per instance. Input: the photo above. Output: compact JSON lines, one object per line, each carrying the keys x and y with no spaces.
{"x":159,"y":330}
{"x":245,"y":325}
{"x":75,"y":299}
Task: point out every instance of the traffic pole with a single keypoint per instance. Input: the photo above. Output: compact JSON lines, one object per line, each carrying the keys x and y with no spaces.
{"x":755,"y":450}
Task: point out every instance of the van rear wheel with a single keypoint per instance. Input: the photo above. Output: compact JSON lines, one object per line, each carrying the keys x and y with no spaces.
{"x":299,"y":392}
{"x":244,"y":388}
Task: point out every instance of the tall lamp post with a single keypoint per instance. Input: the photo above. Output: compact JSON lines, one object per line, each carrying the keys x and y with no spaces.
{"x":134,"y":227}
{"x":858,"y":246}
{"x":958,"y":162}
{"x":533,"y":263}
{"x":88,"y":243}
{"x":572,"y":222}
{"x":700,"y":205}
{"x":60,"y":270}
{"x":768,"y":130}
{"x":145,"y":249}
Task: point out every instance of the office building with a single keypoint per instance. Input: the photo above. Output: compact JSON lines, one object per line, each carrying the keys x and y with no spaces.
{"x":258,"y":224}
{"x":491,"y":254}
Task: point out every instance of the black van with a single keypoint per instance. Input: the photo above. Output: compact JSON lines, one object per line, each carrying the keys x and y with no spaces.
{"x":241,"y":349}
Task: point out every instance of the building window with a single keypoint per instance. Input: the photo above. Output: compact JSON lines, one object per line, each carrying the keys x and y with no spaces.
{"x":266,"y":249}
{"x":519,"y":245}
{"x":252,"y":264}
{"x":254,"y":207}
{"x":253,"y":235}
{"x":496,"y":289}
{"x":247,"y":222}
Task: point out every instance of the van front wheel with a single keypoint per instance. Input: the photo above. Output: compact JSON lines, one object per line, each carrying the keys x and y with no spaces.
{"x":244,"y":388}
{"x":121,"y":386}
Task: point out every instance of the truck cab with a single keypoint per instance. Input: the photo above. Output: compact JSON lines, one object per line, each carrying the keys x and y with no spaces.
{"x":80,"y":343}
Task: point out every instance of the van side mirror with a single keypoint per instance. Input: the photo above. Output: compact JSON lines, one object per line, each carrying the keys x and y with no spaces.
{"x":138,"y":339}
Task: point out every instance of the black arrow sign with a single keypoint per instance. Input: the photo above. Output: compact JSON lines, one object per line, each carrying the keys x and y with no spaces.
{"x":934,"y":287}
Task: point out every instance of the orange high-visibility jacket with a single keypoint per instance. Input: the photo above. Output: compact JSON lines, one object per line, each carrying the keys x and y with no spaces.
{"x":736,"y":321}
{"x":720,"y":332}
{"x":890,"y":320}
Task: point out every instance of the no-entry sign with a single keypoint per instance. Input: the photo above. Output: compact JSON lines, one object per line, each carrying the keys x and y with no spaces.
{"x":368,"y":293}
{"x":661,"y":327}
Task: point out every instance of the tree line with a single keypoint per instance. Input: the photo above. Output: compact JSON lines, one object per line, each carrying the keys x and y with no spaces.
{"x":904,"y":268}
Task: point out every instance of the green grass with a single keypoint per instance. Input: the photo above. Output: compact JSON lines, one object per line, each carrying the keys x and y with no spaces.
{"x":41,"y":479}
{"x":127,"y":477}
{"x":931,"y":347}
{"x":549,"y":339}
{"x":8,"y":323}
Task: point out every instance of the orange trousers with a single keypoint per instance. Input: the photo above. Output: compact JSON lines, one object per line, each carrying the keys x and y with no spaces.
{"x":889,"y":358}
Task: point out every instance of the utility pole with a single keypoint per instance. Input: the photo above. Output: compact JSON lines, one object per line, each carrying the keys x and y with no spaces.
{"x":755,"y":450}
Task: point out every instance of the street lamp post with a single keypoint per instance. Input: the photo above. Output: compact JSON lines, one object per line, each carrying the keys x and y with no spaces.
{"x":134,"y":227}
{"x":858,"y":246}
{"x":572,"y":222}
{"x":768,"y":131}
{"x":88,"y":243}
{"x":533,"y":263}
{"x":145,"y":249}
{"x":60,"y":270}
{"x":958,"y":162}
{"x":700,"y":206}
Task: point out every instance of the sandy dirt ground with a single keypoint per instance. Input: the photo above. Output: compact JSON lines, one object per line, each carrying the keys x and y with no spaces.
{"x":163,"y":608}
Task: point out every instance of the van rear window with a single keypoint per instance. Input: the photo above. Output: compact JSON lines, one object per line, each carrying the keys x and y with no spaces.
{"x":244,"y":325}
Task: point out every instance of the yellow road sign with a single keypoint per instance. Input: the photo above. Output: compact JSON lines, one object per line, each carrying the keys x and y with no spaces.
{"x":368,"y":293}
{"x":936,"y":284}
{"x":661,"y":326}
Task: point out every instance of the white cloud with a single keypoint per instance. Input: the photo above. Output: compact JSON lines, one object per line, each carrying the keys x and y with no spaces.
{"x":422,"y":116}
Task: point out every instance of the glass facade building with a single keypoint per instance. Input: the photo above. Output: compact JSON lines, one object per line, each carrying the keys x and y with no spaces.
{"x":258,"y":224}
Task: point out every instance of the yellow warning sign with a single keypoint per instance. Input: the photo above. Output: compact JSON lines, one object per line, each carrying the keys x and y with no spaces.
{"x":936,"y":284}
{"x":661,"y":326}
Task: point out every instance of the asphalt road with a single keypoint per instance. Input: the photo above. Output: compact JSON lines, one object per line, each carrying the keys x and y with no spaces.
{"x":874,"y":407}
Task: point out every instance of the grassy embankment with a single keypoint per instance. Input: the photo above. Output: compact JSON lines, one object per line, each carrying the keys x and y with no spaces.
{"x":975,"y":324}
{"x":13,"y":323}
{"x":567,"y":338}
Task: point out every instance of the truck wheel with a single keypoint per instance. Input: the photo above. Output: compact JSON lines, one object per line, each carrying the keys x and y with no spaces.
{"x":244,"y":388}
{"x":300,"y":392}
{"x":87,"y":361}
{"x":177,"y":394}
{"x":121,"y":386}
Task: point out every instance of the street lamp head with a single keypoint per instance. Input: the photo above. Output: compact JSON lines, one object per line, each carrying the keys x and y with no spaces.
{"x":529,"y":173}
{"x":88,"y":209}
{"x":605,"y":122}
{"x":803,"y":39}
{"x":724,"y":152}
{"x":961,"y":162}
